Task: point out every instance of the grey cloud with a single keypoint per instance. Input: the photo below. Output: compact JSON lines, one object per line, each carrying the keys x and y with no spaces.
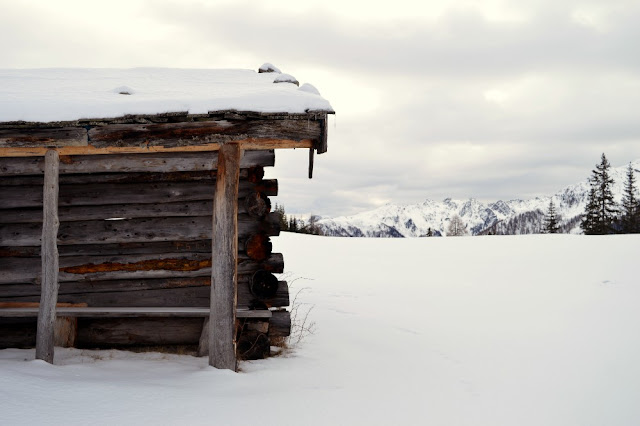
{"x":430,"y":77}
{"x":461,"y":43}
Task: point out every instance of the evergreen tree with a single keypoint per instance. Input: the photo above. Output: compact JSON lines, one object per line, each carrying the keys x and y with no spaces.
{"x":601,"y":208}
{"x":429,"y":232}
{"x":630,"y":211}
{"x":551,"y":220}
{"x":284,"y":223}
{"x":590,"y":218}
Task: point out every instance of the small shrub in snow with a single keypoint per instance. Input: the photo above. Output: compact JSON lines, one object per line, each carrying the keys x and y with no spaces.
{"x":301,"y":324}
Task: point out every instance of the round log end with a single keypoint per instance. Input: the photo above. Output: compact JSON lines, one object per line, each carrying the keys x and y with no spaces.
{"x":258,"y":247}
{"x":255,"y":174}
{"x":253,"y":345}
{"x":257,"y":204}
{"x":264,"y":285}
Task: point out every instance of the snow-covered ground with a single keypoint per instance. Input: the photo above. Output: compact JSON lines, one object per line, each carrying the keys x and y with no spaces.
{"x":517,"y":330}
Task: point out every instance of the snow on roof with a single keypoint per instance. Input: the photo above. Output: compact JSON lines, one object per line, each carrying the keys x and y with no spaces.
{"x":67,"y":94}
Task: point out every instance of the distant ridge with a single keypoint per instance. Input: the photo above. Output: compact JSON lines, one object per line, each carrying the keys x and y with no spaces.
{"x":501,"y":217}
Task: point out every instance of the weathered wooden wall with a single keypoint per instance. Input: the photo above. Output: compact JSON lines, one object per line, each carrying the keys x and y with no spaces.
{"x":135,"y":231}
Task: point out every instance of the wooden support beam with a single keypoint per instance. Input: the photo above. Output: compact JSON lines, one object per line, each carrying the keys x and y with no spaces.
{"x":311,"y":151}
{"x":222,"y":327}
{"x":49,"y":286}
{"x":249,"y":144}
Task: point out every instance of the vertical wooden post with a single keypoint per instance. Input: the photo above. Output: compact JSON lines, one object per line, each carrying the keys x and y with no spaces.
{"x":49,"y":255}
{"x":222,"y":320}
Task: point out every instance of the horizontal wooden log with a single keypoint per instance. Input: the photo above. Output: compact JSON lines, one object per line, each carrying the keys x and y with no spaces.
{"x":252,"y":174}
{"x":170,"y":135}
{"x":133,"y":230}
{"x":129,"y":211}
{"x":42,"y":136}
{"x":280,"y":324}
{"x":99,"y":194}
{"x":120,"y":163}
{"x":197,"y":246}
{"x":130,"y":312}
{"x":150,"y":135}
{"x":142,"y":266}
{"x":166,"y":292}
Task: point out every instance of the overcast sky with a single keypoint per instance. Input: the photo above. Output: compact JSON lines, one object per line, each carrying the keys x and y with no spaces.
{"x":434,"y":99}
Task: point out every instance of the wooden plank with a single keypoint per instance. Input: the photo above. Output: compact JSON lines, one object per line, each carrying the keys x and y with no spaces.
{"x":147,"y":162}
{"x":224,"y":274}
{"x":139,"y":266}
{"x":141,"y":230}
{"x":130,"y":312}
{"x":49,"y":285}
{"x":50,"y":137}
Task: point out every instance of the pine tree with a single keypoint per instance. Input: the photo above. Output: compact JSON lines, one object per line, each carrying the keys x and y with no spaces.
{"x":601,"y":208}
{"x":284,"y":223}
{"x":293,"y":224}
{"x":551,"y":220}
{"x":630,"y":211}
{"x":590,"y":218}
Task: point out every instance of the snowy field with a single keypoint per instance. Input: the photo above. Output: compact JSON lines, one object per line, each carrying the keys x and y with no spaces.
{"x":527,"y":330}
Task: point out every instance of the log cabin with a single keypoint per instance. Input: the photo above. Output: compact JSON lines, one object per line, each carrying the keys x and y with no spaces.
{"x":134,"y":212}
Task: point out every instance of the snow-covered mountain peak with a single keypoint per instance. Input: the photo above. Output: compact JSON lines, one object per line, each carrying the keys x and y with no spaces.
{"x":513,"y":216}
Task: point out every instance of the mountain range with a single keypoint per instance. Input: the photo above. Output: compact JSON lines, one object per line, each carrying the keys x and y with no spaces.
{"x":499,"y":217}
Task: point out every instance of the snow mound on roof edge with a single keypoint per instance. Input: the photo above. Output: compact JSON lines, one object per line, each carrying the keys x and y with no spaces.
{"x":68,"y":94}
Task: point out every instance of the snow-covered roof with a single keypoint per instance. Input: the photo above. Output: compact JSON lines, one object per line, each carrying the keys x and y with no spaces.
{"x":67,"y":94}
